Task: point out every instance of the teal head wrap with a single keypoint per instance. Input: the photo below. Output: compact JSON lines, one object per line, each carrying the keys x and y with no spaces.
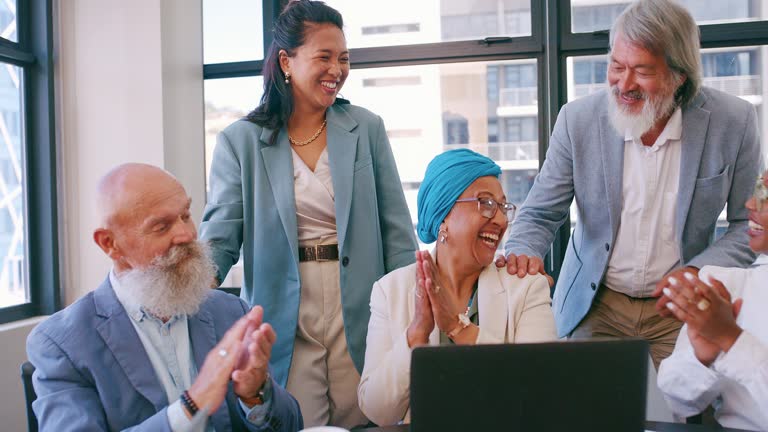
{"x":447,"y":176}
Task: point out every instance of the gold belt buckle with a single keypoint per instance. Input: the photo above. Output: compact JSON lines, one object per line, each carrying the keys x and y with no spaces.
{"x":317,"y":254}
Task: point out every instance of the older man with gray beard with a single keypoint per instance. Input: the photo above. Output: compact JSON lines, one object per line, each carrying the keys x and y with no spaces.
{"x":651,"y":162}
{"x":154,"y":348}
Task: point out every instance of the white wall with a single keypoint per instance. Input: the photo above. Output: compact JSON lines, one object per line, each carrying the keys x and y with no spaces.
{"x":129,"y":89}
{"x":130,"y":84}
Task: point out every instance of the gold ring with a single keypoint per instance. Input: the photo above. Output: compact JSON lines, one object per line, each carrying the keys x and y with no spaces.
{"x":703,"y":305}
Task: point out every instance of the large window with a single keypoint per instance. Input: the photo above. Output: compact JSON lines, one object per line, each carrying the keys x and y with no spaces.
{"x":592,"y":15}
{"x":233,"y":31}
{"x":407,"y":22}
{"x":27,"y":162}
{"x":490,"y":75}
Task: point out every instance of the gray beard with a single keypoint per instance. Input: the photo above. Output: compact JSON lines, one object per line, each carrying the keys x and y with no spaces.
{"x":176,"y":283}
{"x":654,"y":108}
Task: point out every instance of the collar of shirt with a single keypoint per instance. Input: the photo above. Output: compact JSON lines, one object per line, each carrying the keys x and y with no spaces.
{"x":762,"y":259}
{"x":673,"y":131}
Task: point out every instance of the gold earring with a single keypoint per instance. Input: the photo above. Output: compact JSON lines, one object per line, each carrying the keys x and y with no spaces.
{"x":287,"y":77}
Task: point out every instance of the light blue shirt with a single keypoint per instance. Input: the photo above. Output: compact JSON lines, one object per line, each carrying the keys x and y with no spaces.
{"x":168,"y":347}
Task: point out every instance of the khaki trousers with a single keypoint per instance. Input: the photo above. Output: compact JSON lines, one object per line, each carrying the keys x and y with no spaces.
{"x":322,"y":376}
{"x":618,"y":315}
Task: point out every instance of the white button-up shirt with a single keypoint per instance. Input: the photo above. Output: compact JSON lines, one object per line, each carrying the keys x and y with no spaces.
{"x":736,"y":384}
{"x":646,"y":247}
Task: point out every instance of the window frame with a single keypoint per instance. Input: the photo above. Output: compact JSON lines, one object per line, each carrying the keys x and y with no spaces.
{"x":33,"y":53}
{"x":550,"y":44}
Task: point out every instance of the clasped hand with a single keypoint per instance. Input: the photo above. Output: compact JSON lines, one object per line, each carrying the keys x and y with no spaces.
{"x":707,"y":310}
{"x":436,"y":302}
{"x":241,"y":356}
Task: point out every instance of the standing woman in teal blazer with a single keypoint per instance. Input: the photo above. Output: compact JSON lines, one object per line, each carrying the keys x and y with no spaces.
{"x":308,"y":187}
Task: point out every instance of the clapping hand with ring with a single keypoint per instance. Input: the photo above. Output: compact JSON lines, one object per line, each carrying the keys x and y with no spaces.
{"x":251,"y":371}
{"x":709,"y":313}
{"x":210,"y":387}
{"x":445,"y":303}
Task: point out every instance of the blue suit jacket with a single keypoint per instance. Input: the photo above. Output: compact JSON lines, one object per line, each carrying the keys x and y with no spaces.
{"x":720,"y":161}
{"x":251,"y":204}
{"x":92,"y":373}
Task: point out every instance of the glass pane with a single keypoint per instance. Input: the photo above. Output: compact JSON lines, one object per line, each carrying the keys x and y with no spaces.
{"x":227,"y":100}
{"x":489,"y":107}
{"x":13,"y":278}
{"x":404,"y":22}
{"x":740,"y":71}
{"x":8,"y":20}
{"x":591,"y":15}
{"x":232,"y":31}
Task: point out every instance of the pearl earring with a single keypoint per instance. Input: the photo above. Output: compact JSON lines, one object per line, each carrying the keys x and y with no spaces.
{"x":443,"y":236}
{"x":287,"y":77}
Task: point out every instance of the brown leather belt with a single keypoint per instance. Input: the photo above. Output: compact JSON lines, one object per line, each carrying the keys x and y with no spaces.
{"x":319,"y":253}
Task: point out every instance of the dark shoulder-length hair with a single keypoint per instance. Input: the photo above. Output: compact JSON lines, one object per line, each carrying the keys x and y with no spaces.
{"x":289,"y":32}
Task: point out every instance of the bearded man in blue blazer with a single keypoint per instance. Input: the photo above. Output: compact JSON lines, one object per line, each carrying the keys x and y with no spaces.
{"x":154,"y":348}
{"x":651,"y":162}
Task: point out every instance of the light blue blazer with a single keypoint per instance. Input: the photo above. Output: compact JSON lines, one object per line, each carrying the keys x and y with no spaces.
{"x":719,"y":163}
{"x":92,"y":373}
{"x":251,"y":204}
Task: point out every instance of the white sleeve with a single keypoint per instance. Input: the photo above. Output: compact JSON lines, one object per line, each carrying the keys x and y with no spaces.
{"x":747,"y":363}
{"x":536,"y":323}
{"x":179,"y":421}
{"x":384,"y":390}
{"x":688,"y":386}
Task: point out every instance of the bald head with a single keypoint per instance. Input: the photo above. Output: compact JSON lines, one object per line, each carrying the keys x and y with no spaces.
{"x":143,"y":213}
{"x":124,"y":189}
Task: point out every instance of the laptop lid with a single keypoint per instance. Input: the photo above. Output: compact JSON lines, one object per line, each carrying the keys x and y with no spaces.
{"x":560,"y":386}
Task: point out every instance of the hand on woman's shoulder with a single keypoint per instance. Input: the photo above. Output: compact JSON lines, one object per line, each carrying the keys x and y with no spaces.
{"x":512,"y":282}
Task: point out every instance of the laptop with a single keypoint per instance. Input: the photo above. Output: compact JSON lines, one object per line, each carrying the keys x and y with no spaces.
{"x":595,"y":385}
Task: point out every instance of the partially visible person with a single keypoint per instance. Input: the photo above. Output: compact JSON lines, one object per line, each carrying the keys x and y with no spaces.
{"x":306,"y":186}
{"x":651,"y":162}
{"x":454,"y":294}
{"x":153,"y":345}
{"x":721,"y":356}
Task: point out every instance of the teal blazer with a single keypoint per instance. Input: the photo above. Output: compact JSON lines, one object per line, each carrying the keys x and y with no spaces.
{"x":251,"y":205}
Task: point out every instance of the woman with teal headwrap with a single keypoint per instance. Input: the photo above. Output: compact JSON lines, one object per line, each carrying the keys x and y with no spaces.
{"x":453,"y":294}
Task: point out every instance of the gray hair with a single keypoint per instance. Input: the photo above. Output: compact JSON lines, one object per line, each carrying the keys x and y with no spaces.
{"x":663,"y":27}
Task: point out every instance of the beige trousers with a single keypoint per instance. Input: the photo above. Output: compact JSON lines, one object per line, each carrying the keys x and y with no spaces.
{"x":614,"y":314}
{"x":322,"y":376}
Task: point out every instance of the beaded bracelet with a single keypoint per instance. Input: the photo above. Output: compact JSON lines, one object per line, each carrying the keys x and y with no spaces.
{"x":188,"y":403}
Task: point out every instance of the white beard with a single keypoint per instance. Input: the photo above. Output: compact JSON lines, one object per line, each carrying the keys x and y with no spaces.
{"x":176,"y":283}
{"x":654,"y":108}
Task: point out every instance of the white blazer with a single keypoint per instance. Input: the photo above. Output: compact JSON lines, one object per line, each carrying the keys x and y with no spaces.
{"x":511,"y":310}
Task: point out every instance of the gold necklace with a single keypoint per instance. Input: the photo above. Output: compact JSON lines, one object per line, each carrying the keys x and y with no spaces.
{"x":312,"y":138}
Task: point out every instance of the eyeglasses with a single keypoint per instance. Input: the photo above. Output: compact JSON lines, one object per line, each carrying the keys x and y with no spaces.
{"x":760,"y":194}
{"x":488,"y":207}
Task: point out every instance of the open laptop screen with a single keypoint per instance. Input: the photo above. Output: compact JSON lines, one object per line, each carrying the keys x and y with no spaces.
{"x":560,"y":386}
